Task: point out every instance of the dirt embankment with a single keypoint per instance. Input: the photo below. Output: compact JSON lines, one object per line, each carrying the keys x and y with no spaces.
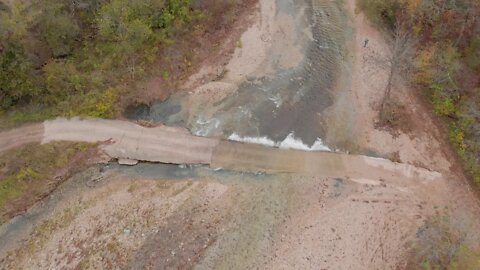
{"x":416,"y":139}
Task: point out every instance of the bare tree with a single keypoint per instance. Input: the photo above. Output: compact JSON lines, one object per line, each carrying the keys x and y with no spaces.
{"x":397,"y":61}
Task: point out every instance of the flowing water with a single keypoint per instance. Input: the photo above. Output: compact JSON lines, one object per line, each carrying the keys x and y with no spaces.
{"x":285,"y":106}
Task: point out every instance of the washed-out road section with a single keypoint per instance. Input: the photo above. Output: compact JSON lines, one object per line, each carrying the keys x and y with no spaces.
{"x":127,"y":140}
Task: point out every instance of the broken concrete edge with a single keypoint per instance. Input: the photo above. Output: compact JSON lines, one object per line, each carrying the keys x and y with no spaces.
{"x":125,"y":161}
{"x":72,"y":129}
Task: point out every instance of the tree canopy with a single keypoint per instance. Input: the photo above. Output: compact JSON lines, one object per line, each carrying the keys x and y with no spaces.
{"x":446,"y":65}
{"x":54,"y":50}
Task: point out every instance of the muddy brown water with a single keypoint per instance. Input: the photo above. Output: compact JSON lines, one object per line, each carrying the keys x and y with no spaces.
{"x":292,"y":100}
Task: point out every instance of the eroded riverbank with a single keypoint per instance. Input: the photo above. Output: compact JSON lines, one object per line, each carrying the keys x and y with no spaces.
{"x":281,"y":79}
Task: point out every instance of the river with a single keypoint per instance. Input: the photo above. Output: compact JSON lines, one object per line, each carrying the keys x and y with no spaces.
{"x":284,"y":105}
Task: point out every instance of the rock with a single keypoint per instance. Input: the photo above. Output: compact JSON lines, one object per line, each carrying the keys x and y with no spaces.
{"x":129,"y":162}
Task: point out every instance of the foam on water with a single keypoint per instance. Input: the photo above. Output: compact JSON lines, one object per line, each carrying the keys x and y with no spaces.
{"x":255,"y":140}
{"x":277,"y":100}
{"x":204,"y":127}
{"x":290,"y":142}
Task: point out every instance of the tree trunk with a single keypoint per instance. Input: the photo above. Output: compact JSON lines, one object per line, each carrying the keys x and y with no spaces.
{"x":388,"y":90}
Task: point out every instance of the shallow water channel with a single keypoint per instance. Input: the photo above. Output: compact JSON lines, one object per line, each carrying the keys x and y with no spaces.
{"x":288,"y":103}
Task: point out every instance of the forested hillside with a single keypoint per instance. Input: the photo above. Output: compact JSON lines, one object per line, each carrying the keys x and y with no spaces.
{"x":62,"y":57}
{"x":446,"y":66}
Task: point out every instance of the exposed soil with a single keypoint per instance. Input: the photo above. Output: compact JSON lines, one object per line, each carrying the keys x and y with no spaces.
{"x":414,"y":138}
{"x":14,"y":138}
{"x":225,"y":221}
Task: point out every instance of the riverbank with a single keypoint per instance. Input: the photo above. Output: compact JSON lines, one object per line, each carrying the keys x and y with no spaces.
{"x":415,"y":138}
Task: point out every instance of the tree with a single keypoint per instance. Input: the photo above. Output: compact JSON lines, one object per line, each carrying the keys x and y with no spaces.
{"x":15,"y":20}
{"x":62,"y":80}
{"x":58,"y":28}
{"x":3,"y":7}
{"x":16,"y":83}
{"x":397,"y":61}
{"x":381,"y":12}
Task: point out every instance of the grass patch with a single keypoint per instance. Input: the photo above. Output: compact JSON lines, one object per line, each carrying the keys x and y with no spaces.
{"x":133,"y":187}
{"x":29,"y":173}
{"x":441,"y":246}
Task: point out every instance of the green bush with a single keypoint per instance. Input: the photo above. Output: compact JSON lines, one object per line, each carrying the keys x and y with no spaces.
{"x":98,"y":104}
{"x":440,"y":244}
{"x":58,"y":28}
{"x":62,"y":79}
{"x":380,"y":12}
{"x":457,"y":137}
{"x":16,"y":77}
{"x":472,"y":54}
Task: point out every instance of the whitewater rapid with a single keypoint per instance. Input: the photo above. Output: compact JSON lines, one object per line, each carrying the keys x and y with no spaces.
{"x":290,"y":142}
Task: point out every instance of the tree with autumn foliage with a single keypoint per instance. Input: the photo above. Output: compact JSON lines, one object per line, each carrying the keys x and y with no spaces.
{"x":445,"y":63}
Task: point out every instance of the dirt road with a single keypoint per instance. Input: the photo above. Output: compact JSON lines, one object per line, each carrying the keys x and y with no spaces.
{"x":20,"y":136}
{"x":126,"y":140}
